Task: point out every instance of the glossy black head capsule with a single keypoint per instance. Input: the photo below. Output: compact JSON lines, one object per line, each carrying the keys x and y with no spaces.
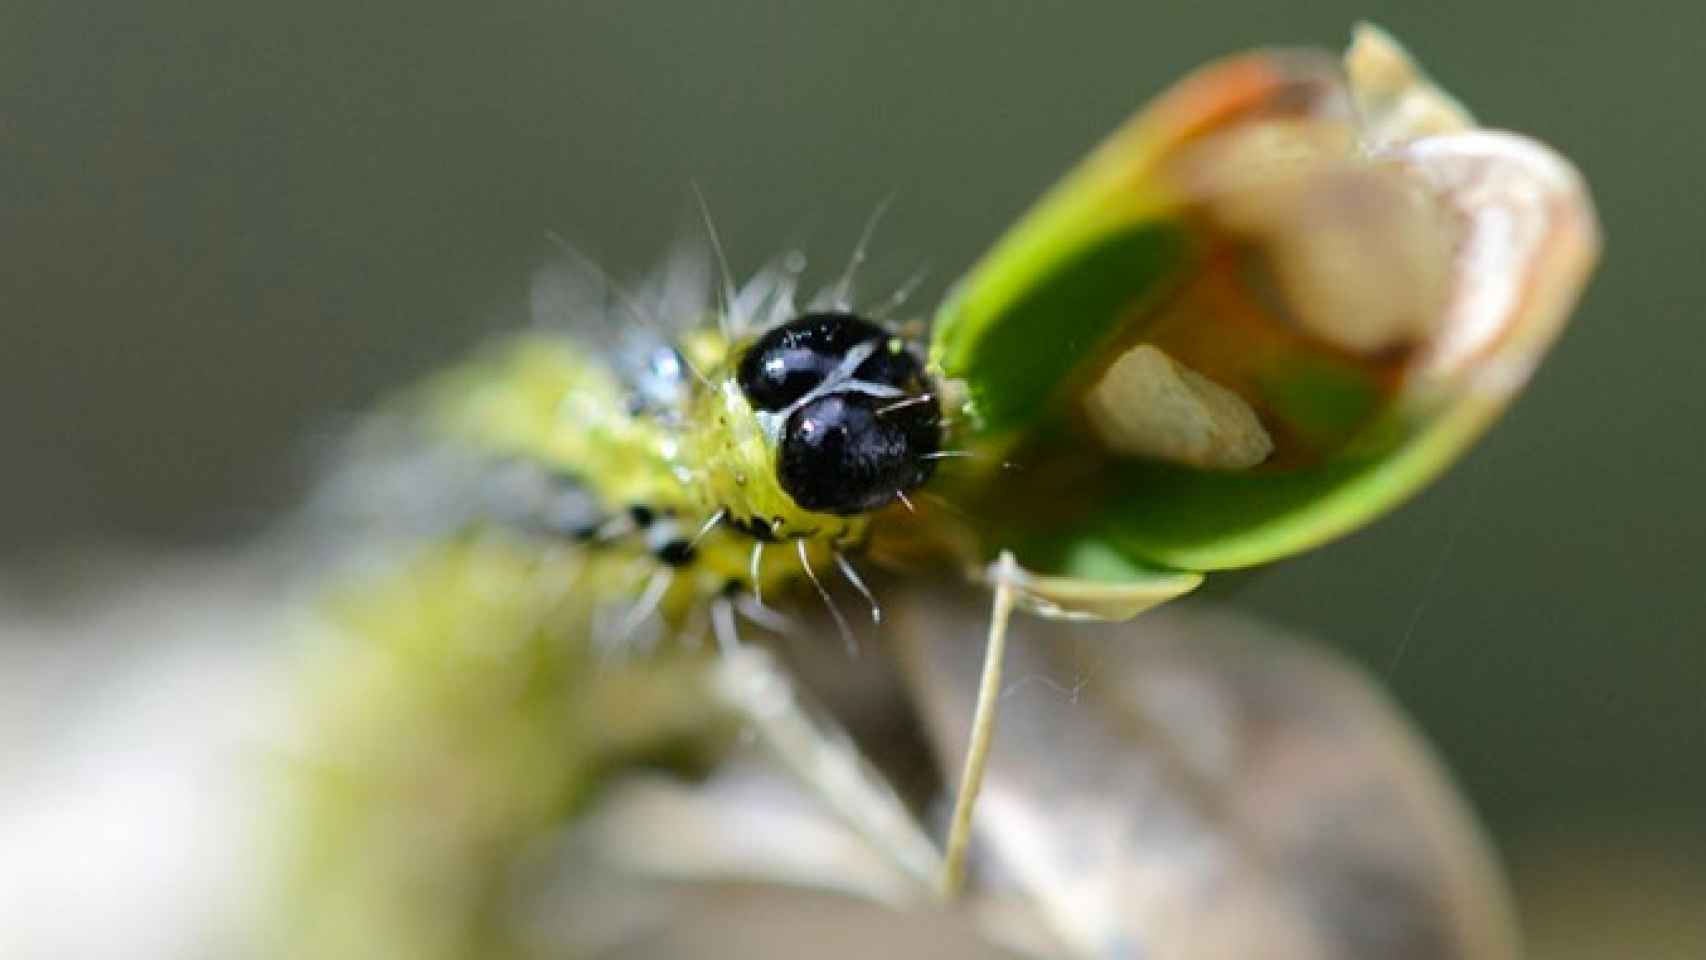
{"x":872,"y":433}
{"x":789,"y":360}
{"x":851,"y":453}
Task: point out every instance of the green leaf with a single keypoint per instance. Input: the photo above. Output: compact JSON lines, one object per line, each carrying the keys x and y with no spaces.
{"x":1273,"y":306}
{"x":1024,"y":351}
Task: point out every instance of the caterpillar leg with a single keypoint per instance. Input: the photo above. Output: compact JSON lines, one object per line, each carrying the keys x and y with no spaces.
{"x":1004,"y":575}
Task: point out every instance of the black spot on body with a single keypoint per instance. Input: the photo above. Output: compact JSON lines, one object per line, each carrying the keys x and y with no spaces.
{"x":757,"y":528}
{"x":676,"y":553}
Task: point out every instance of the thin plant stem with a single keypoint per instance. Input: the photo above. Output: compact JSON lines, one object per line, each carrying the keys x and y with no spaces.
{"x":982,"y":729}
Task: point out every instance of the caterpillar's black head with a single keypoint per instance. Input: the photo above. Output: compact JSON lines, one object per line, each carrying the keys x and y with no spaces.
{"x":860,"y":425}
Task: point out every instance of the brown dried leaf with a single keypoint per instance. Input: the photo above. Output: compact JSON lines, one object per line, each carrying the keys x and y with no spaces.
{"x":1192,"y":786}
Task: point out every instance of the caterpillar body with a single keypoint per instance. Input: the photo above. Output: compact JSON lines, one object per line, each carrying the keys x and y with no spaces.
{"x":720,"y":447}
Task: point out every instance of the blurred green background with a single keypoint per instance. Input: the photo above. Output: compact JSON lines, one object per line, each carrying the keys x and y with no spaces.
{"x":228,"y":226}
